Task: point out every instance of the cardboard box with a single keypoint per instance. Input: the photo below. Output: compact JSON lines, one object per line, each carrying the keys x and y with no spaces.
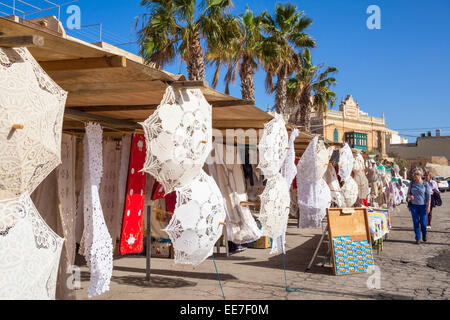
{"x":263,"y":243}
{"x":162,"y":250}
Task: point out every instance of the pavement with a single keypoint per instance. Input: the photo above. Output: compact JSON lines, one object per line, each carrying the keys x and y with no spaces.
{"x":405,"y":270}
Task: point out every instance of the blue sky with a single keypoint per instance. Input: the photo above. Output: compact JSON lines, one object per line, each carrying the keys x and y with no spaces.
{"x":401,"y":70}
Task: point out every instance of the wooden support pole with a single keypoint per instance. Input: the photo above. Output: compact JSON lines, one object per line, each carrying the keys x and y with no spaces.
{"x":125,"y":123}
{"x":148,"y":243}
{"x":22,"y":41}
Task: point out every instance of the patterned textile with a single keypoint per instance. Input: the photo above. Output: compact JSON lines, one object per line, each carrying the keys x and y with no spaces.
{"x":132,"y":235}
{"x":272,"y":146}
{"x":125,"y":152}
{"x":97,"y":243}
{"x":335,"y":188}
{"x":378,"y":225}
{"x":289,"y":172}
{"x":109,"y":186}
{"x":313,"y":193}
{"x":29,"y":252}
{"x":179,"y":138}
{"x":196,"y":224}
{"x":29,"y":97}
{"x":346,"y":162}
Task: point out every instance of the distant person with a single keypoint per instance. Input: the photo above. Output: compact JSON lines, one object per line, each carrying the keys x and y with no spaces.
{"x":420,"y":195}
{"x":435,"y":197}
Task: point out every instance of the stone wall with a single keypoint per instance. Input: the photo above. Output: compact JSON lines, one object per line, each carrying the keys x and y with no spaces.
{"x":425,"y":147}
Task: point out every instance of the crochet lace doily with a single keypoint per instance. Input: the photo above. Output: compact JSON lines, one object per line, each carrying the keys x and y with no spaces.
{"x":179,"y":138}
{"x":273,"y":146}
{"x":361,"y":180}
{"x":346,"y":161}
{"x":28,"y":96}
{"x":313,"y":192}
{"x":98,"y":248}
{"x":196,"y":224}
{"x":29,"y":252}
{"x":275,"y":201}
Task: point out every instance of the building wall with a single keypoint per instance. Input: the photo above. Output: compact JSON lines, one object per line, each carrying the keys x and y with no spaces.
{"x":425,"y":147}
{"x":349,"y":118}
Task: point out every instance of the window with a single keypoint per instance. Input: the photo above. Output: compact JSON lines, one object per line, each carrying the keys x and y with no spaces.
{"x":336,"y":135}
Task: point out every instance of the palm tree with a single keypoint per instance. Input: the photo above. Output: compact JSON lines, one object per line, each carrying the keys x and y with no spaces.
{"x":176,"y":28}
{"x":310,"y":90}
{"x":286,"y":33}
{"x":242,"y":51}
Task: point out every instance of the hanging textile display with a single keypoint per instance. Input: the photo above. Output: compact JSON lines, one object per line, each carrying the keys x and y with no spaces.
{"x":349,"y":187}
{"x":125,"y":152}
{"x":313,"y":193}
{"x":196,"y":225}
{"x":289,"y":172}
{"x":29,"y":252}
{"x":31,"y":117}
{"x":241,"y":226}
{"x":335,"y":188}
{"x":97,"y":242}
{"x":359,"y":172}
{"x":272,"y":146}
{"x":179,"y":138}
{"x":109,"y":186}
{"x":132,"y":235}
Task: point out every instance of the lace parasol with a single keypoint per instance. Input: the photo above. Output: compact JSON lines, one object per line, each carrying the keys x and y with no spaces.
{"x":273,"y":146}
{"x":197,"y":223}
{"x":179,"y":138}
{"x":275,"y":201}
{"x":31,"y":117}
{"x":29,"y":252}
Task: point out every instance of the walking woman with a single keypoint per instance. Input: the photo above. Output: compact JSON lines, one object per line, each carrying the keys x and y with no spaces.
{"x":435,"y":194}
{"x":420,"y":195}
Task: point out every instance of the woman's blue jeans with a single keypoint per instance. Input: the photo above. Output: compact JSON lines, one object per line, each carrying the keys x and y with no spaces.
{"x":419,"y":217}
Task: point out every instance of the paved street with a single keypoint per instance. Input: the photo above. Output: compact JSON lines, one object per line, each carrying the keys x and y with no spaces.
{"x":407,"y":270}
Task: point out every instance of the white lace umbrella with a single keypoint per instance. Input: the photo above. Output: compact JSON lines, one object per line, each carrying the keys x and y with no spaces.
{"x":275,"y":201}
{"x":31,"y":117}
{"x":350,"y":192}
{"x":197,"y":223}
{"x":29,"y":252}
{"x":273,"y":146}
{"x":179,"y":138}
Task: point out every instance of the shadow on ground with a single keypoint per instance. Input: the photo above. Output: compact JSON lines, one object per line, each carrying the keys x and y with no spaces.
{"x":176,"y":273}
{"x":297,"y":259}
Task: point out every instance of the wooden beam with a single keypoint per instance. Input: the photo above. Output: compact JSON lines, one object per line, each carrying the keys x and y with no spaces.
{"x":126,"y":123}
{"x":21,"y":41}
{"x":84,"y":64}
{"x":215,"y":104}
{"x":189,"y":84}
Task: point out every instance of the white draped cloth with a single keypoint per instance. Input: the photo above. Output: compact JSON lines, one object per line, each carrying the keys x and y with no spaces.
{"x":335,"y":188}
{"x":350,"y":187}
{"x":29,"y":252}
{"x":289,"y":172}
{"x":359,"y":172}
{"x":313,"y":192}
{"x":241,"y":226}
{"x":98,"y":247}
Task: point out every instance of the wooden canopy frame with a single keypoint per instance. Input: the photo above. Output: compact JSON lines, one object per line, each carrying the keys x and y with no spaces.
{"x":117,"y":88}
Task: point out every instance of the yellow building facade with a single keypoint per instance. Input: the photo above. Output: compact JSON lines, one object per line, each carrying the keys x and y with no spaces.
{"x":350,"y":124}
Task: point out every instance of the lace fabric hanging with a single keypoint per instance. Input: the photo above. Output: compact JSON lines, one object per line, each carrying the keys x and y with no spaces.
{"x":289,"y":172}
{"x":314,"y":195}
{"x":346,"y":162}
{"x":29,"y":252}
{"x":273,"y":146}
{"x":361,"y":180}
{"x":28,"y":97}
{"x":98,"y":248}
{"x":335,"y":188}
{"x":350,"y":192}
{"x":179,"y":138}
{"x":196,"y":224}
